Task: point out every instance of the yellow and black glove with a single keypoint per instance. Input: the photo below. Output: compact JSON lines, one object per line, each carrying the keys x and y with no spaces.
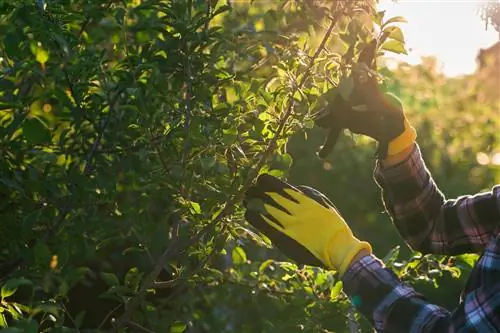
{"x":302,"y":223}
{"x":381,"y":118}
{"x":369,"y":111}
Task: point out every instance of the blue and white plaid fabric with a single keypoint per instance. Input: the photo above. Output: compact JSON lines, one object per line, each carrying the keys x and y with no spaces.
{"x":431,"y":224}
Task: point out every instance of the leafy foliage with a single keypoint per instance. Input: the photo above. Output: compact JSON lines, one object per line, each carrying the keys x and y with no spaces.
{"x":129,"y":133}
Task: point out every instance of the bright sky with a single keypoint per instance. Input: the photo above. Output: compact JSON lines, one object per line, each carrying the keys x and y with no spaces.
{"x":453,"y":31}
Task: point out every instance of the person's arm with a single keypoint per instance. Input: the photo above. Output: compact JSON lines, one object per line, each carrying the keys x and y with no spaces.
{"x":425,"y":219}
{"x":393,"y":306}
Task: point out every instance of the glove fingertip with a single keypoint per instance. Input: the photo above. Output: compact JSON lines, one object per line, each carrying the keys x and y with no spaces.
{"x":269,"y":183}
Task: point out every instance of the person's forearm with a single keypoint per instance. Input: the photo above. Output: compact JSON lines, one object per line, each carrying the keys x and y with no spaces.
{"x":389,"y":304}
{"x":411,"y":197}
{"x":425,"y":219}
{"x":392,"y":306}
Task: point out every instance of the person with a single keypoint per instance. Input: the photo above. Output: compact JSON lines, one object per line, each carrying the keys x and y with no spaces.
{"x":307,"y":227}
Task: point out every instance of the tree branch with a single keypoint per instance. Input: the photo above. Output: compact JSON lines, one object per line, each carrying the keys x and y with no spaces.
{"x":66,"y":208}
{"x":231,"y":202}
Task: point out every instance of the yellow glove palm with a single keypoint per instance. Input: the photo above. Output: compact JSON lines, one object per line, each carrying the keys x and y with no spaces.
{"x":318,"y":228}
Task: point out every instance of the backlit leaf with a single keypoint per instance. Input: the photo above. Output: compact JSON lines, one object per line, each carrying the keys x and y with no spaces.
{"x":394,"y":46}
{"x":239,"y":256}
{"x":178,"y":327}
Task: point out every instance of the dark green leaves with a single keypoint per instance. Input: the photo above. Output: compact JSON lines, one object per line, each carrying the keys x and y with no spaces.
{"x":10,"y":286}
{"x":110,"y":279}
{"x":35,"y":131}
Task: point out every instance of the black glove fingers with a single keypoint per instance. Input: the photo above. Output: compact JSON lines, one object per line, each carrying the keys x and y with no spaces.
{"x":334,"y":113}
{"x":268,"y":183}
{"x":316,"y":195}
{"x":257,"y":221}
{"x":364,"y":122}
{"x":255,"y":199}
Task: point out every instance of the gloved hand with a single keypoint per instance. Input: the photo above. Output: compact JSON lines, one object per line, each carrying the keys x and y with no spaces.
{"x":302,"y":223}
{"x":370,"y":111}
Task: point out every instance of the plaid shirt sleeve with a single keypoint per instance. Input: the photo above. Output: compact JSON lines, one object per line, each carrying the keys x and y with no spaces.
{"x":426,"y":220}
{"x":392,"y":306}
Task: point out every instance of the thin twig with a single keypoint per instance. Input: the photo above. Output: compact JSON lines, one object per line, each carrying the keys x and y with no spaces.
{"x":150,"y":280}
{"x":88,"y":166}
{"x":271,"y":146}
{"x":109,"y":314}
{"x":139,"y":327}
{"x":187,"y":102}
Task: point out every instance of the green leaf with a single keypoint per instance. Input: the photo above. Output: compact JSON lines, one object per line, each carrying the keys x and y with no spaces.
{"x":10,"y":287}
{"x":207,"y":162}
{"x":288,"y":266}
{"x":321,"y":279}
{"x":110,"y":279}
{"x":391,"y":256}
{"x":239,"y":256}
{"x":41,"y":54}
{"x":3,"y":322}
{"x":257,"y":205}
{"x":46,"y":308}
{"x":379,"y":17}
{"x":27,"y":326}
{"x":395,"y":33}
{"x":120,"y":15}
{"x":265,"y":264}
{"x":308,"y":123}
{"x":9,"y":329}
{"x":337,"y":288}
{"x":133,"y":278}
{"x":287,"y":160}
{"x":35,"y":131}
{"x":12,"y":43}
{"x":276,"y":173}
{"x":79,"y":319}
{"x":229,"y":135}
{"x":221,"y":9}
{"x":14,"y":311}
{"x":394,"y":46}
{"x":395,"y":19}
{"x":7,"y":106}
{"x":42,"y":254}
{"x":178,"y":327}
{"x":469,"y":259}
{"x":195,"y":208}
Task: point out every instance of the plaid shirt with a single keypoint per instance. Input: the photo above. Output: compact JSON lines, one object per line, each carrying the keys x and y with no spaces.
{"x":431,"y":224}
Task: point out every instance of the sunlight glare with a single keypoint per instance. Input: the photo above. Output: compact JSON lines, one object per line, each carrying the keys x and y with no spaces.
{"x":453,"y":31}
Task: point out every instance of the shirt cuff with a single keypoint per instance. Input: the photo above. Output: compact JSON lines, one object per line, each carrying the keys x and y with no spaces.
{"x":374,"y":289}
{"x":393,"y":173}
{"x":363,"y":277}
